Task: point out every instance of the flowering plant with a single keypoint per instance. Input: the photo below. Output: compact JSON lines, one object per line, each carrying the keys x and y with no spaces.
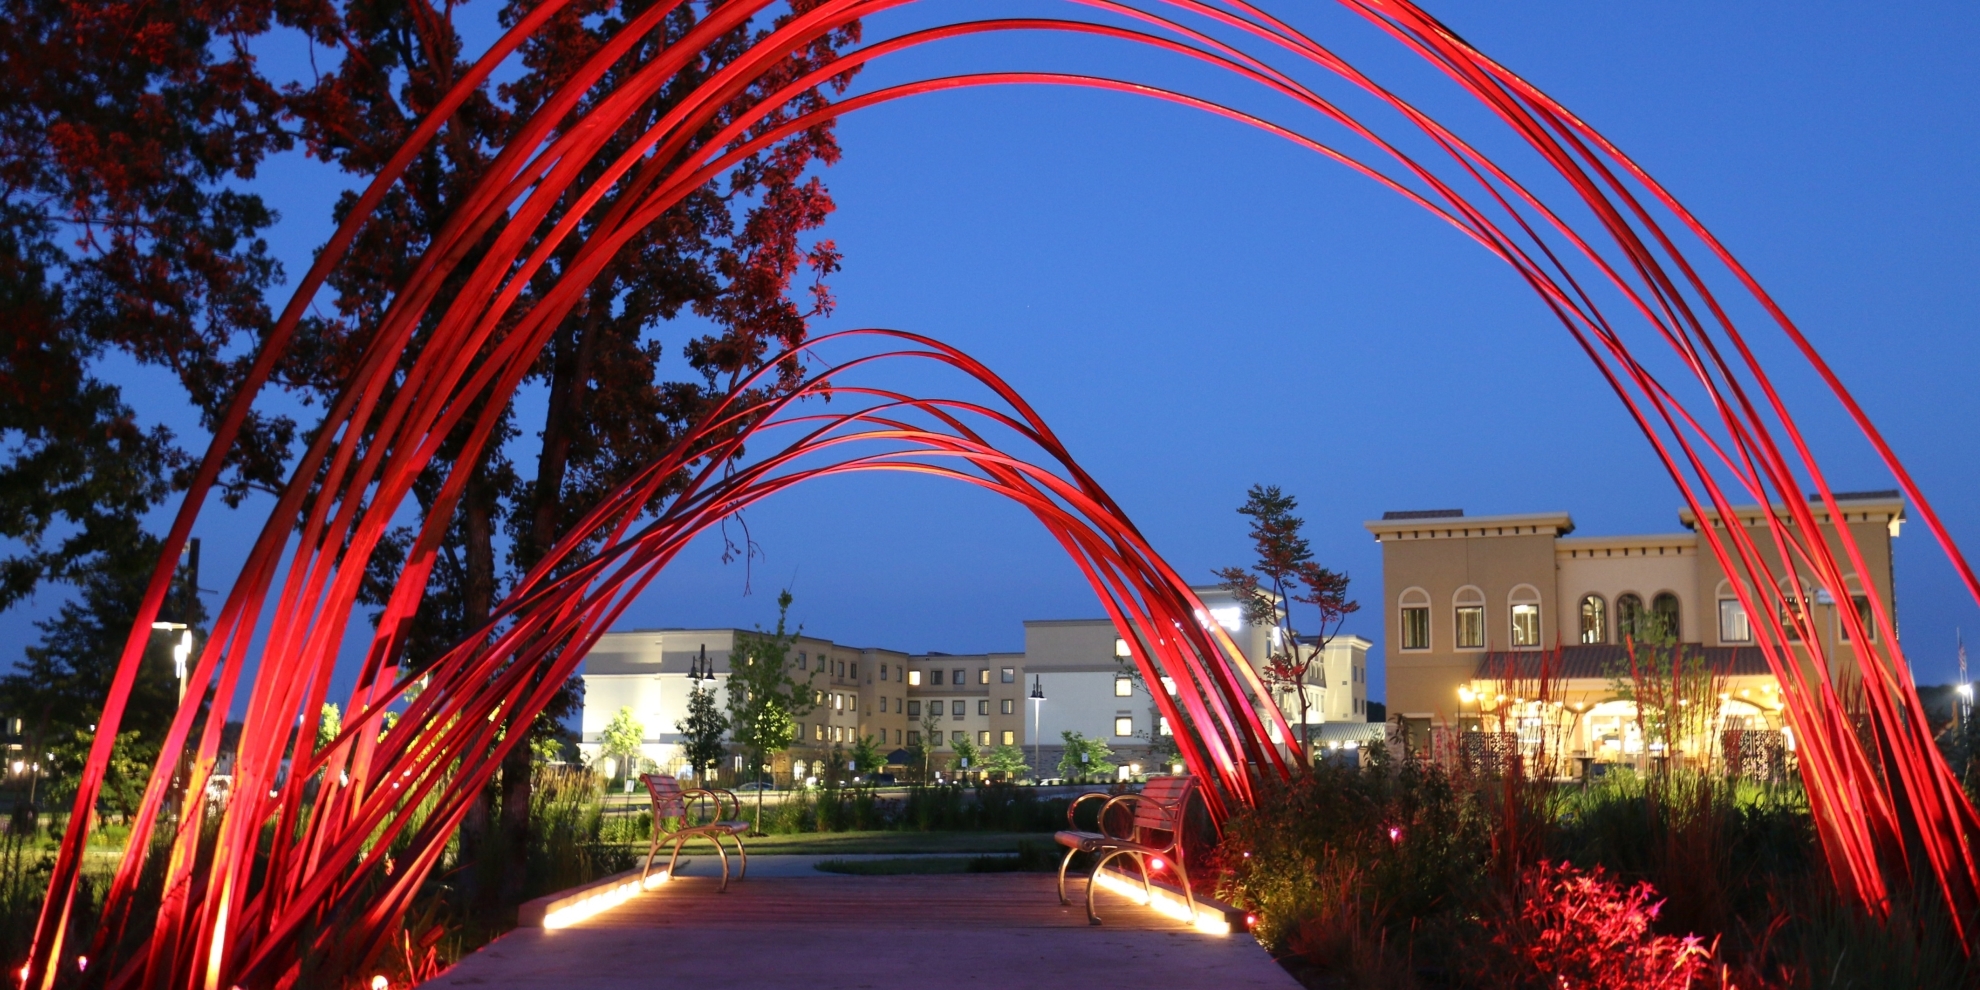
{"x":1580,"y":930}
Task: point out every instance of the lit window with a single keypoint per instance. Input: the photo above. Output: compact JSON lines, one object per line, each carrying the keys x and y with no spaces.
{"x":1415,"y":619}
{"x":1594,"y":620}
{"x":1230,"y":617}
{"x":1121,"y":648}
{"x":983,"y":707}
{"x":914,"y":678}
{"x":1123,"y":687}
{"x":983,"y":737}
{"x":1124,"y":726}
{"x":956,"y":707}
{"x":818,"y":732}
{"x":914,"y":709}
{"x":982,"y":675}
{"x":1010,"y":738}
{"x":1165,"y":726}
{"x":1009,"y":674}
{"x":1734,"y":627}
{"x":1525,"y":617}
{"x":1008,"y":706}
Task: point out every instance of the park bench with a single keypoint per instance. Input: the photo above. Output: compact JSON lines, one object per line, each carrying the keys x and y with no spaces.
{"x":672,"y":803}
{"x":1155,"y":834}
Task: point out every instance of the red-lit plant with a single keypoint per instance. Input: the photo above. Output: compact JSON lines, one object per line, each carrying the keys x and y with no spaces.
{"x":1576,"y":930}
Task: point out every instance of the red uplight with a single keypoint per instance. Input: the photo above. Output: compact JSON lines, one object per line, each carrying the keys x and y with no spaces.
{"x":1155,"y":863}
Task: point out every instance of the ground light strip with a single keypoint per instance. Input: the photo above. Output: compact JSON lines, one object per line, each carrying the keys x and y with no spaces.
{"x":1162,"y":901}
{"x":604,"y":900}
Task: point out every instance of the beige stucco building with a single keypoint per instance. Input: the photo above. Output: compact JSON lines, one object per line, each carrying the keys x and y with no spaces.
{"x":1470,"y":600}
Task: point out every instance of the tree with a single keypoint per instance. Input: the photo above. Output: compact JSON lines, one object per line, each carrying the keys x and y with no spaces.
{"x":866,"y":756}
{"x":329,"y":725}
{"x":622,"y":738}
{"x":931,"y":736}
{"x":613,"y":400}
{"x":765,"y":701}
{"x":1007,"y":762}
{"x":128,"y":132}
{"x":701,"y":731}
{"x":1085,"y":757}
{"x":1284,"y":572}
{"x":966,"y":756}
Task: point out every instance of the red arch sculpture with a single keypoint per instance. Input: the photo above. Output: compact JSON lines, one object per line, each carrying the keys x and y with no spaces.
{"x":1614,"y":250}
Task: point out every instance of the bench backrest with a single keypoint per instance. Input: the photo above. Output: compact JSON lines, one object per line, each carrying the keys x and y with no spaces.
{"x":666,"y":794}
{"x":1163,"y":803}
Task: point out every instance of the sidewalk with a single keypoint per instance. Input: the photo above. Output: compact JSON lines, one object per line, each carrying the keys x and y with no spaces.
{"x":827,"y":932}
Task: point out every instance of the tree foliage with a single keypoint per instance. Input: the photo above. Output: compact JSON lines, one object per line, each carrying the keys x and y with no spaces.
{"x":765,"y":701}
{"x":866,"y":756}
{"x":1007,"y":762}
{"x":622,"y":738}
{"x":701,"y":731}
{"x":1084,"y":757}
{"x":1283,"y":573}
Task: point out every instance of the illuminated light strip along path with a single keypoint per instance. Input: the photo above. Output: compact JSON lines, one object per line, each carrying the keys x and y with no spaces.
{"x":826,"y":932}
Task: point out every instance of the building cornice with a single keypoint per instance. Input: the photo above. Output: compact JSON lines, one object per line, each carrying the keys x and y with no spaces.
{"x":1471,"y":527}
{"x":1881,"y":509}
{"x":1647,"y":545}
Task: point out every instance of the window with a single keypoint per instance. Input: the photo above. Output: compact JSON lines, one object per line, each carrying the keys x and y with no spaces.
{"x":853,"y":670}
{"x":1864,"y":616}
{"x":959,"y":672}
{"x":1525,"y":617}
{"x":1124,"y":726}
{"x":1415,"y":604}
{"x":982,"y":675}
{"x":883,"y":671}
{"x":956,"y":738}
{"x":956,"y":707}
{"x":1008,"y":706}
{"x":897,"y":736}
{"x":1010,"y":738}
{"x":1594,"y":620}
{"x":1470,"y":619}
{"x":1165,"y":726}
{"x":818,"y":732}
{"x":983,"y":707}
{"x":800,"y":659}
{"x":1121,"y":648}
{"x":1631,"y":622}
{"x":839,"y":702}
{"x":838,"y":734}
{"x":1664,"y":608}
{"x":1009,"y":674}
{"x":842,"y":668}
{"x":983,"y":737}
{"x":1733,"y":624}
{"x":914,"y":678}
{"x":914,"y":738}
{"x":935,"y":676}
{"x":914,"y":709}
{"x":1123,"y":687}
{"x":1791,"y":610}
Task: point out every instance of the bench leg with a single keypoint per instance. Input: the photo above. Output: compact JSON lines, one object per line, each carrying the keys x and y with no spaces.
{"x":716,"y":838}
{"x":1062,"y":877}
{"x":653,"y":849}
{"x":1188,"y":897}
{"x":1092,"y":917}
{"x":743,"y":851}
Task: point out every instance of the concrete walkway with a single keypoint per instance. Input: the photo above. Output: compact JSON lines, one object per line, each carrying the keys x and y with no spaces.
{"x":827,"y":932}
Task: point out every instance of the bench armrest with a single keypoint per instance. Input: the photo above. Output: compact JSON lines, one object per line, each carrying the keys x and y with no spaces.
{"x":715,"y":794}
{"x":1130,"y":800}
{"x":1073,"y":808}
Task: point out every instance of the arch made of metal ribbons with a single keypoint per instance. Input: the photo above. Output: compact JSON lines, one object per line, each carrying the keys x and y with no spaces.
{"x":240,"y":909}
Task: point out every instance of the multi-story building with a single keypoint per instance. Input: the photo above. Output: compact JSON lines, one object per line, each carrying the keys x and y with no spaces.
{"x":1470,"y":600}
{"x":1081,"y":668}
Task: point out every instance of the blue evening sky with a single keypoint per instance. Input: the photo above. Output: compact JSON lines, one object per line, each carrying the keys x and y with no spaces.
{"x":1197,"y":307}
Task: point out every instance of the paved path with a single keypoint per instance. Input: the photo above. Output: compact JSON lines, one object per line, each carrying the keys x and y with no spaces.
{"x":827,"y":932}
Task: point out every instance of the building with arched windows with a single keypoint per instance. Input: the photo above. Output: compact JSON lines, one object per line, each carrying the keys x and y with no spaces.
{"x":1477,"y":605}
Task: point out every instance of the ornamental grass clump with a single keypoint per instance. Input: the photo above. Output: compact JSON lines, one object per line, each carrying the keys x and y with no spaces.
{"x":1582,"y":930}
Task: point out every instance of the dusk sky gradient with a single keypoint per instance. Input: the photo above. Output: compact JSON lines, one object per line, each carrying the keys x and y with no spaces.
{"x":1196,"y":307}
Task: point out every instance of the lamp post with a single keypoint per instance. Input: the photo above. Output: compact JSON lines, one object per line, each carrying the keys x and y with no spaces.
{"x":181,"y":651}
{"x":1037,"y":725}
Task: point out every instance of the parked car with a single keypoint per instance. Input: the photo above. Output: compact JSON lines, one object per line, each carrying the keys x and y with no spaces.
{"x":757,"y":785}
{"x":880,"y":780}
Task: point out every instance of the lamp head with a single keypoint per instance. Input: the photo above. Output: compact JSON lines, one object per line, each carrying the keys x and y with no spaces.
{"x":1037,"y":688}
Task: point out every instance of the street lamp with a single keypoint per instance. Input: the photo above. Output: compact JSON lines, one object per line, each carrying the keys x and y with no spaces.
{"x":1037,"y":713}
{"x":181,"y":651}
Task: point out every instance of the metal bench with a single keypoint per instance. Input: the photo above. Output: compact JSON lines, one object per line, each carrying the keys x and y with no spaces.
{"x":671,"y":802}
{"x":1156,"y":834}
